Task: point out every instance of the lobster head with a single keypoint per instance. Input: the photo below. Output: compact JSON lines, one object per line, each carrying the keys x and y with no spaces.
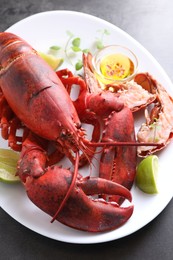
{"x":36,"y":94}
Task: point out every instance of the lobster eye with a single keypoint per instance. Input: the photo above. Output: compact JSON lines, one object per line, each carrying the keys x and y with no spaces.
{"x":63,"y":134}
{"x":78,"y":125}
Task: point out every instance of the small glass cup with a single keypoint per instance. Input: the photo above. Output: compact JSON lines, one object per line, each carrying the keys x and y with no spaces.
{"x":112,"y":50}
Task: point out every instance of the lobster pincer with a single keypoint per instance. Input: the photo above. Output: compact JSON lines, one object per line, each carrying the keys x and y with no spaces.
{"x":80,"y":211}
{"x":47,"y":188}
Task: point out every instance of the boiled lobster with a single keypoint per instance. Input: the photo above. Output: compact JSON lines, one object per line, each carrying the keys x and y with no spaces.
{"x":143,"y":91}
{"x":158,"y":127}
{"x":35,"y":99}
{"x":99,"y":110}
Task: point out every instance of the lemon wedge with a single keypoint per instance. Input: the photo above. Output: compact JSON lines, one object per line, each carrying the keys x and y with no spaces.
{"x":146,"y":175}
{"x":8,"y":166}
{"x":53,"y":61}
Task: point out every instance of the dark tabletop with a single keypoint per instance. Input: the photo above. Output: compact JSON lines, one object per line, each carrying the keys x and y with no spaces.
{"x":150,"y":23}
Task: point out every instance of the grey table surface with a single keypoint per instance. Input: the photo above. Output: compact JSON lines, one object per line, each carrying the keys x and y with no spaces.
{"x":150,"y":23}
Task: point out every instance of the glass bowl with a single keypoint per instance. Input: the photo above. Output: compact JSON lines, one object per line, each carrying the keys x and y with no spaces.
{"x":114,"y":64}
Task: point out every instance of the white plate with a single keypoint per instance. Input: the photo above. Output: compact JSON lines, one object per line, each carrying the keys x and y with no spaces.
{"x":41,"y":31}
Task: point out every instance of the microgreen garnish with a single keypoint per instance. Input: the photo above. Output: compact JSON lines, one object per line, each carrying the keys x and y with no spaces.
{"x":76,"y":44}
{"x":73,"y":47}
{"x":55,"y":48}
{"x":99,"y":41}
{"x":79,"y":65}
{"x":85,"y":50}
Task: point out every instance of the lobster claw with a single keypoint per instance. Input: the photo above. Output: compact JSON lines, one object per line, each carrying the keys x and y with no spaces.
{"x":118,"y":163}
{"x":80,"y":210}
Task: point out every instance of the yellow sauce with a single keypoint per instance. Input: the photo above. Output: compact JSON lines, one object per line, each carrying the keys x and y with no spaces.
{"x":116,"y":66}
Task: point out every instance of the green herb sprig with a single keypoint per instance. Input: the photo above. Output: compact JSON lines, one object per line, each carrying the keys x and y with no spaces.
{"x":73,"y":46}
{"x":100,"y":40}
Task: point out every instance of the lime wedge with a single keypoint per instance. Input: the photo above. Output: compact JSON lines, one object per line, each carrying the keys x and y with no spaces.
{"x":146,"y":176}
{"x":53,"y":61}
{"x":8,"y":166}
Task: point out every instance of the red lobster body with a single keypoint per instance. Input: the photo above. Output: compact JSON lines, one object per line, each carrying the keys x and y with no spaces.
{"x":39,"y":99}
{"x":34,"y":85}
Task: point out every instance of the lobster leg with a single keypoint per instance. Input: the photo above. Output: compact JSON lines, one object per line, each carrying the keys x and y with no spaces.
{"x":6,"y":115}
{"x":9,"y":125}
{"x":47,"y":188}
{"x":118,"y":163}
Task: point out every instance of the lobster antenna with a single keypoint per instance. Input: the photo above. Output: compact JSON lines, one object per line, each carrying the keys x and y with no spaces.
{"x":101,"y":144}
{"x":70,"y":188}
